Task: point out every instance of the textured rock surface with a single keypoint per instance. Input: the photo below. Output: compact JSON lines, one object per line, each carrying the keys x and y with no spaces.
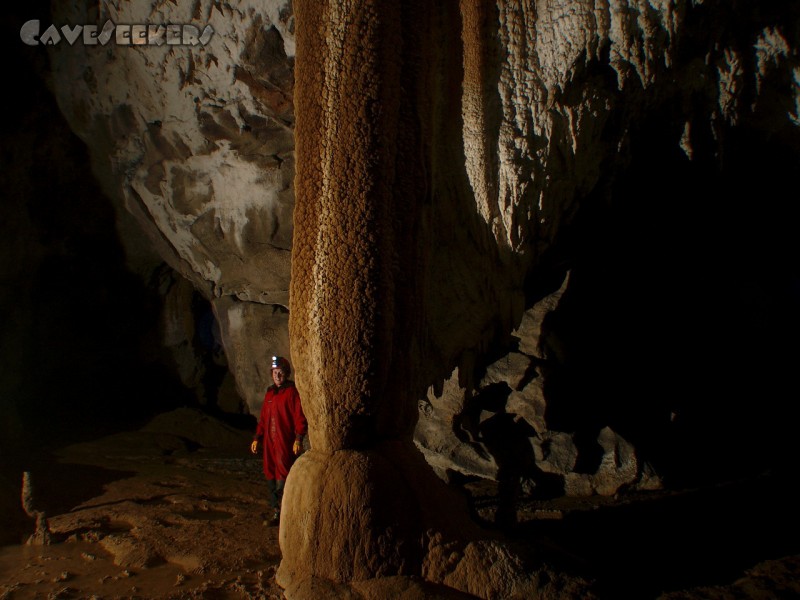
{"x":488,"y":569}
{"x":251,"y":334}
{"x":451,"y":430}
{"x":196,"y":143}
{"x":503,"y":421}
{"x":191,"y":335}
{"x":80,"y":343}
{"x":372,"y":489}
{"x":186,"y":496}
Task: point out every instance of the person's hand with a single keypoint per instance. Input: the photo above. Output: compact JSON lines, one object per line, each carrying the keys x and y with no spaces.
{"x":254,"y":446}
{"x":297,"y":448}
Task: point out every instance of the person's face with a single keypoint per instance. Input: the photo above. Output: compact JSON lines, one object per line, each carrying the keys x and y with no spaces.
{"x":278,"y":376}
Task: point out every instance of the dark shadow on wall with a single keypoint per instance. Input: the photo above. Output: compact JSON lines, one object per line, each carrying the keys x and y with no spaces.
{"x":678,"y":326}
{"x":79,"y":343}
{"x":485,"y":424}
{"x":682,"y":312}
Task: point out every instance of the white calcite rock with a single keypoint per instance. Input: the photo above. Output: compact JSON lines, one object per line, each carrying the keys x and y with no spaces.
{"x":196,"y":142}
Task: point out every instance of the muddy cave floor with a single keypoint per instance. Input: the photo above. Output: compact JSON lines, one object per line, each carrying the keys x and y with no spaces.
{"x":177,"y":510}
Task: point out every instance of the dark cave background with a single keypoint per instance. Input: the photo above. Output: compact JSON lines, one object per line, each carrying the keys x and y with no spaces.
{"x":81,"y":338}
{"x":679,"y":328}
{"x":680,"y":325}
{"x":681,"y":321}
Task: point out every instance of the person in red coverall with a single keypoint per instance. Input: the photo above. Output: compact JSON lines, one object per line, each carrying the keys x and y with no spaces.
{"x":280,"y":432}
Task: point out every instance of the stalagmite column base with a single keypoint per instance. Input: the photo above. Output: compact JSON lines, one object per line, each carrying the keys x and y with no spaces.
{"x":379,"y":521}
{"x":355,"y":515}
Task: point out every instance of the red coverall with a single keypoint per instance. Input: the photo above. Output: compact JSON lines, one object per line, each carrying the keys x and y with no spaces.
{"x":281,"y":422}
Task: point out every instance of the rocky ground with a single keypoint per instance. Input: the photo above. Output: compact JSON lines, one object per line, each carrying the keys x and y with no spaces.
{"x":176,"y":510}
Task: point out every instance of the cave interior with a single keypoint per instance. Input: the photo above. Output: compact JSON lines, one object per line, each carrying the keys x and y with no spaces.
{"x":678,"y":330}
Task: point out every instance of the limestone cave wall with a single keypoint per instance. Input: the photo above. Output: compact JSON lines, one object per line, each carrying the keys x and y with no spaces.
{"x":196,"y":144}
{"x":98,"y":333}
{"x":549,"y":241}
{"x":557,"y":138}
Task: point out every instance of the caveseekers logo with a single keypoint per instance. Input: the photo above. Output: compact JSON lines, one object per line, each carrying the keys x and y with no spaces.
{"x":124,"y":35}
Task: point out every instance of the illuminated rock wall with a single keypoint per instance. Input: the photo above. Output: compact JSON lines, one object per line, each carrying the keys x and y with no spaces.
{"x":445,"y":156}
{"x":196,"y":143}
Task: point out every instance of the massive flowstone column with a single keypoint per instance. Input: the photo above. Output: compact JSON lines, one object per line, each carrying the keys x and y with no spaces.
{"x":348,"y":510}
{"x":360,"y":187}
{"x":362,"y":507}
